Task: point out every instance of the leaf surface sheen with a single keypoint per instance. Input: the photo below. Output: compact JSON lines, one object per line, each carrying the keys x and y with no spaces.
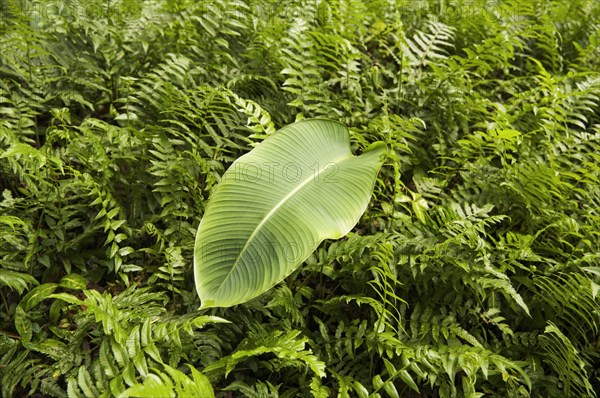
{"x":276,"y":204}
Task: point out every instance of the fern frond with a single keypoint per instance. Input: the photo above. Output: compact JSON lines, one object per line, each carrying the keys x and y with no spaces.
{"x":573,"y":303}
{"x":564,"y":359}
{"x":288,"y":347}
{"x":425,"y":47}
{"x":171,"y":383}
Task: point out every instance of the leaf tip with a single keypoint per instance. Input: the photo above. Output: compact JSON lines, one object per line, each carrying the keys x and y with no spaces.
{"x":205,"y":304}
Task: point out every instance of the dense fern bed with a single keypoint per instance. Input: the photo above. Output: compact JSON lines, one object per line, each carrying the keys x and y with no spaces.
{"x":474,"y":272}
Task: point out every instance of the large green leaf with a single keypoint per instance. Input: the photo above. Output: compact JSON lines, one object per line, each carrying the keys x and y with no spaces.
{"x":275,"y":205}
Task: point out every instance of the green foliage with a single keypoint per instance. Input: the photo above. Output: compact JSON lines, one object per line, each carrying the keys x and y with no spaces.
{"x":474,"y":271}
{"x":276,"y":204}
